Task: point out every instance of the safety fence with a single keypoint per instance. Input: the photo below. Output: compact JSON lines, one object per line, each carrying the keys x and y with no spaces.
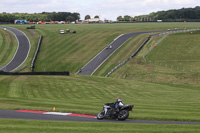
{"x":177,"y":31}
{"x":36,"y":54}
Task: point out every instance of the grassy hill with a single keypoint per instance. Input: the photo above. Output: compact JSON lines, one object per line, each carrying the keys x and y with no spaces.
{"x":70,"y":52}
{"x":77,"y":49}
{"x":87,"y":94}
{"x":155,"y":86}
{"x":80,"y":48}
{"x":179,"y":50}
{"x":175,"y":60}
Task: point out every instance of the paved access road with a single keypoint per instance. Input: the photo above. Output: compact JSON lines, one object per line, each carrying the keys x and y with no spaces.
{"x":35,"y":116}
{"x":99,"y":59}
{"x":22,"y":51}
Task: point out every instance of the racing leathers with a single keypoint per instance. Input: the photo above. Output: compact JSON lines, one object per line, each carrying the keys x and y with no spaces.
{"x":114,"y":107}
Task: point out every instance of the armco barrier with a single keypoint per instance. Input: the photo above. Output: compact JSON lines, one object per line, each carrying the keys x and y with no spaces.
{"x":36,"y":54}
{"x":35,"y":73}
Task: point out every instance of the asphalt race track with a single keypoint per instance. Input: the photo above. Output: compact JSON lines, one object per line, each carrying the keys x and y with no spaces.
{"x":99,"y":59}
{"x":36,"y":116}
{"x":22,"y":51}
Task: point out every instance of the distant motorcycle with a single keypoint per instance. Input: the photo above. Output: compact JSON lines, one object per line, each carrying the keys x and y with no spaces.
{"x":121,"y":114}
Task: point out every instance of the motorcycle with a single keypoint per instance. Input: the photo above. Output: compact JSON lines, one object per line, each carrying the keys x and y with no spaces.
{"x":121,"y":114}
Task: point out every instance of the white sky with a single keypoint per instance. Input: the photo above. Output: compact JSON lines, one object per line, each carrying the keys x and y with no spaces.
{"x":109,"y":9}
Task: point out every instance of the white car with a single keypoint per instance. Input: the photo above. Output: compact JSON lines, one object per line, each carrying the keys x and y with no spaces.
{"x":62,"y":32}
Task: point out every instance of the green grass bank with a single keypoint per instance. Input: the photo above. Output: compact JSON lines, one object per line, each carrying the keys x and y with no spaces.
{"x":87,"y":94}
{"x":70,"y":52}
{"x":24,"y":126}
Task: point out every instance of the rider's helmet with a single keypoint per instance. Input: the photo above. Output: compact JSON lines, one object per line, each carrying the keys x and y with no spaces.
{"x":119,"y":99}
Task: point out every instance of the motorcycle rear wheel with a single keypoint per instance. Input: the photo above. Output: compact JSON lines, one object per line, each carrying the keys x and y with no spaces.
{"x":123,"y":115}
{"x":100,"y":115}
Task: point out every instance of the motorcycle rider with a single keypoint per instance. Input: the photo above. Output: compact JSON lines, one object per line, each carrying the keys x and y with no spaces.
{"x":114,"y":107}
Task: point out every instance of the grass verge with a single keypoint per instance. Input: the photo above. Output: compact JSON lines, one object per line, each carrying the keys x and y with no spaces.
{"x":174,"y":61}
{"x":86,"y":95}
{"x":24,"y":126}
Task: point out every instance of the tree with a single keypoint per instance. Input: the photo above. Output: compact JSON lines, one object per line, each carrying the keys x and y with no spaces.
{"x":87,"y":17}
{"x":127,"y":18}
{"x":70,"y":18}
{"x":119,"y":18}
{"x":96,"y":16}
{"x":44,"y":16}
{"x":175,"y":15}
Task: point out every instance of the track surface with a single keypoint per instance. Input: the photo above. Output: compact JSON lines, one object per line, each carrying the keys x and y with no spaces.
{"x":22,"y":51}
{"x":35,"y":116}
{"x":99,"y":59}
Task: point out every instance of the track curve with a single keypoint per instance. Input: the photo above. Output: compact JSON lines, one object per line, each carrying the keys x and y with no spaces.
{"x":100,"y":58}
{"x":22,"y":50}
{"x":35,"y":116}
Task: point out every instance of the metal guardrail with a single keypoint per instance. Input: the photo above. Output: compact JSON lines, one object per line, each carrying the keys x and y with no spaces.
{"x":177,"y":31}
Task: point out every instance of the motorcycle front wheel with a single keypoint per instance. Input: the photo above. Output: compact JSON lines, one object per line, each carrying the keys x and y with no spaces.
{"x":123,"y":115}
{"x":100,"y":115}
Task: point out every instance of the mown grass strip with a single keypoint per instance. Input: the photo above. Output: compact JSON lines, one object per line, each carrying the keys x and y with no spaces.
{"x":32,"y":126}
{"x":86,"y":95}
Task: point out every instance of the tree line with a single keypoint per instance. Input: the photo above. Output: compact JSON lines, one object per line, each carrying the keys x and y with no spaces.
{"x":125,"y":18}
{"x":44,"y":16}
{"x":184,"y":14}
{"x":89,"y":17}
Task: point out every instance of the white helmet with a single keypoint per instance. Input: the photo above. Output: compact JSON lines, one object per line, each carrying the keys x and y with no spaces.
{"x":119,"y":99}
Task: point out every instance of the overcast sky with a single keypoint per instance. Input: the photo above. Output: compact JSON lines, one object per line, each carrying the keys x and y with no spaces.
{"x":107,"y":9}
